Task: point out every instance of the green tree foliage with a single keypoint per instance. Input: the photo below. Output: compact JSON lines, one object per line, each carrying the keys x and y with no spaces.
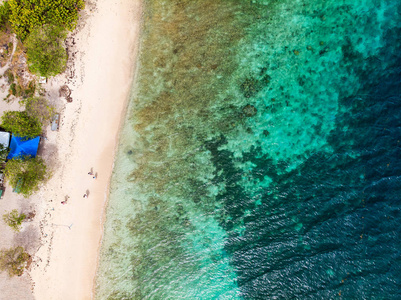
{"x":5,"y":13}
{"x":29,"y":14}
{"x":38,"y":107}
{"x":14,"y":219}
{"x":14,"y":260}
{"x":45,"y":51}
{"x":3,"y":152}
{"x":21,"y":124}
{"x":27,"y":173}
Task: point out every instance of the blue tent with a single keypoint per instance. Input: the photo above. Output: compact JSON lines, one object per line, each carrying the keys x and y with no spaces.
{"x":21,"y":146}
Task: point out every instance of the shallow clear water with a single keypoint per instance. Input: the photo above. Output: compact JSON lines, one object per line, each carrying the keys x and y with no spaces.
{"x":259,"y":158}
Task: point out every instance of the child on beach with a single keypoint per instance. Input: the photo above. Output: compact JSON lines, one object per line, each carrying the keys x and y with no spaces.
{"x":65,"y":200}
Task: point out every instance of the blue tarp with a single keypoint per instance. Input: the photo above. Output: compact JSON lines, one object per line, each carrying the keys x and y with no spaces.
{"x":21,"y":147}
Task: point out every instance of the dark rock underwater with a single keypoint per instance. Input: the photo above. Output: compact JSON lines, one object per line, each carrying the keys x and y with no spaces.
{"x":260,"y":158}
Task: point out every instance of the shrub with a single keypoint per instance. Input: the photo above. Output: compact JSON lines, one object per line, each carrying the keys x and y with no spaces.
{"x":19,"y":91}
{"x":13,"y":89}
{"x":3,"y":152}
{"x":27,"y":173}
{"x":10,"y":76}
{"x":21,"y":124}
{"x":14,"y":219}
{"x":45,"y":51}
{"x":30,"y":90}
{"x":14,"y":260}
{"x":39,"y":107}
{"x":28,"y":14}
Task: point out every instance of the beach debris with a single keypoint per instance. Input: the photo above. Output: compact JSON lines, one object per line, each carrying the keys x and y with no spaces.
{"x":249,"y":110}
{"x":65,"y":92}
{"x":55,"y":122}
{"x":42,"y":79}
{"x":30,"y":216}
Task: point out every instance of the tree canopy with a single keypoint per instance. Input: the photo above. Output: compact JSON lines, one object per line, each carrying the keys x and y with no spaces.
{"x":5,"y":13}
{"x":42,"y":26}
{"x":27,"y":173}
{"x":14,"y":219}
{"x":38,"y":107}
{"x":13,"y":260}
{"x":45,"y":51}
{"x":26,"y":15}
{"x":21,"y":124}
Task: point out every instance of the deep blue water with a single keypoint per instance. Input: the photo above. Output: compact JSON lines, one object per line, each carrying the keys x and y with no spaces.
{"x":260,"y":158}
{"x":348,"y":203}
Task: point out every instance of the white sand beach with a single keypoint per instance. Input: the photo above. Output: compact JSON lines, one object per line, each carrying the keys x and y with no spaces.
{"x":103,"y":51}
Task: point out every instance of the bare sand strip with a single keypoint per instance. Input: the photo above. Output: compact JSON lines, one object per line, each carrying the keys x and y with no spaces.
{"x":105,"y":53}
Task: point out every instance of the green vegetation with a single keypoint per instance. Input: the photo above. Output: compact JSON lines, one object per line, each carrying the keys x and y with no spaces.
{"x":14,"y":219}
{"x":38,"y":107}
{"x":26,"y":15}
{"x":14,"y":260}
{"x":10,"y":76}
{"x":5,"y":13}
{"x":16,"y":89}
{"x":3,"y":153}
{"x":19,"y":91}
{"x":13,"y":89}
{"x":26,"y":173}
{"x":45,"y":51}
{"x":20,"y":123}
{"x":29,"y":91}
{"x":42,"y":26}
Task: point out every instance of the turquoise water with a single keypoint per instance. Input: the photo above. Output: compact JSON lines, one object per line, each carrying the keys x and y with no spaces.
{"x":259,"y":157}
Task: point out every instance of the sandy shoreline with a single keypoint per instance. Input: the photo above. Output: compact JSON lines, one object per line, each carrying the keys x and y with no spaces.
{"x":100,"y":78}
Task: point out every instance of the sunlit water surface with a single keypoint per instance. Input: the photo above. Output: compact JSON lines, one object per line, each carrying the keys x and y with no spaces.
{"x":260,"y":154}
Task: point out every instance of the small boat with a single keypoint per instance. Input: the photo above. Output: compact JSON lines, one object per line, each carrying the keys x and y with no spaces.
{"x":55,"y":122}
